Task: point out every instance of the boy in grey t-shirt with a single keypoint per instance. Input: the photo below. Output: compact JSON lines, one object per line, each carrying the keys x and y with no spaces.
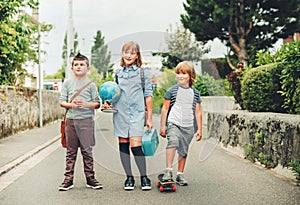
{"x":80,"y":122}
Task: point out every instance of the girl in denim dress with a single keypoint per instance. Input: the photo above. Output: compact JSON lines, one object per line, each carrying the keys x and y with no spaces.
{"x":130,"y":118}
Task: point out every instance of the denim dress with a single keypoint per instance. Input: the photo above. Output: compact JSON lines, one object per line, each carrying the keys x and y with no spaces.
{"x":129,"y":120}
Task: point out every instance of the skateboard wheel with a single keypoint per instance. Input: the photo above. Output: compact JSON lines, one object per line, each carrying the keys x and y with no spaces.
{"x":161,"y":189}
{"x":158,"y":184}
{"x":173,"y":188}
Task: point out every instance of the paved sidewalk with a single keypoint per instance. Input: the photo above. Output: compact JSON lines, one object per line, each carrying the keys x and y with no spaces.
{"x":17,"y":148}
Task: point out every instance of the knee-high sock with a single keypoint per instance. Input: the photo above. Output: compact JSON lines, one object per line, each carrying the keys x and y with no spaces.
{"x":125,"y":157}
{"x":139,"y":158}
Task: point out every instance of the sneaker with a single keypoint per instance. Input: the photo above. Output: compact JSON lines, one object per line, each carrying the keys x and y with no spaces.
{"x":66,"y":185}
{"x":167,"y":176}
{"x":145,"y":183}
{"x":91,"y":182}
{"x":129,"y":183}
{"x":181,"y":180}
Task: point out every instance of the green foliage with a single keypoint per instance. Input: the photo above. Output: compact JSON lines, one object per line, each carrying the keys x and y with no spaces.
{"x":96,"y":77}
{"x":100,"y":55}
{"x":227,"y":87}
{"x":167,"y":79}
{"x":208,"y":86}
{"x":263,"y":160}
{"x":65,"y":47}
{"x":158,"y":99}
{"x":60,"y":74}
{"x":259,"y":138}
{"x":181,"y":46}
{"x":245,"y":26}
{"x":295,"y":167}
{"x":260,"y":89}
{"x":289,"y":56}
{"x":248,"y":150}
{"x":296,"y":97}
{"x":288,"y":59}
{"x":19,"y":40}
{"x":264,"y":58}
{"x":255,"y":152}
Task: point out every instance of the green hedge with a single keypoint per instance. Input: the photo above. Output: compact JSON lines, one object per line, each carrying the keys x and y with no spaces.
{"x":261,"y":89}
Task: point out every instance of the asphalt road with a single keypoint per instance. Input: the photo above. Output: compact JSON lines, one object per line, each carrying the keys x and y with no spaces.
{"x":215,"y":177}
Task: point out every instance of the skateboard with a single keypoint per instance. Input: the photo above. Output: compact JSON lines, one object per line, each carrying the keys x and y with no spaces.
{"x":168,"y":186}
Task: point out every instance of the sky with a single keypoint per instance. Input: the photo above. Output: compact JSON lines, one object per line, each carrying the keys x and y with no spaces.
{"x":114,"y":18}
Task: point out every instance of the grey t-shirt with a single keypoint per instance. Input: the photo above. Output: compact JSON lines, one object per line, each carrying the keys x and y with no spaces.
{"x":89,"y":94}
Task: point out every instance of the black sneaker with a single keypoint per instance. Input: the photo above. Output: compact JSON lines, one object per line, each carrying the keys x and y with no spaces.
{"x":129,"y":183}
{"x":66,"y":185}
{"x":91,"y":182}
{"x":145,"y":183}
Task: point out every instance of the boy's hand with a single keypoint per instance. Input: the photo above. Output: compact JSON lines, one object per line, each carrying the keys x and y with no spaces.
{"x":162,"y":132}
{"x":77,"y":103}
{"x":198,"y":136}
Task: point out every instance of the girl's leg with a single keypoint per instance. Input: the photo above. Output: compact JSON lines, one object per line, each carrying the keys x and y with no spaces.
{"x":139,"y":156}
{"x":125,"y":155}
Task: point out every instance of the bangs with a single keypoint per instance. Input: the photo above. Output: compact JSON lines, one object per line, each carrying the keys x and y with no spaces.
{"x":131,"y":46}
{"x":183,"y":70}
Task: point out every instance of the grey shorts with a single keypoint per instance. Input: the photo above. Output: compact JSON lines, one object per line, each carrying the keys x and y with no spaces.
{"x":179,"y":137}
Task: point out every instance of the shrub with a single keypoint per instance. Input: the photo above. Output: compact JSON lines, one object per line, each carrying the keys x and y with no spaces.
{"x":158,"y":99}
{"x":208,"y":86}
{"x":289,"y":56}
{"x":295,"y":167}
{"x":260,"y":89}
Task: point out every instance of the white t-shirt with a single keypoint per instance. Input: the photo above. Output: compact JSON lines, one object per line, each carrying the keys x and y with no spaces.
{"x":182,"y":111}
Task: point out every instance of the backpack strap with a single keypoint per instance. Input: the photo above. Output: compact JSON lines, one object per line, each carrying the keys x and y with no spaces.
{"x":75,"y":95}
{"x":142,"y":73}
{"x":116,"y":78}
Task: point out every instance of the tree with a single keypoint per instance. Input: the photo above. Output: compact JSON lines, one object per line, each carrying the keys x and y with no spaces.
{"x":64,"y":50}
{"x":100,"y":56}
{"x":19,"y":40}
{"x":244,"y":26}
{"x":181,"y":45}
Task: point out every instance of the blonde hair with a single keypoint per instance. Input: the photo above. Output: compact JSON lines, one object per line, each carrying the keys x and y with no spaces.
{"x":187,"y":67}
{"x":132,"y":46}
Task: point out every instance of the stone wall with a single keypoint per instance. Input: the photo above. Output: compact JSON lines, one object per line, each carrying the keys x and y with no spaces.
{"x":19,"y":109}
{"x":271,"y":139}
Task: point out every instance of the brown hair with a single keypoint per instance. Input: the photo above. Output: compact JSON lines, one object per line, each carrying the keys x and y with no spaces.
{"x":132,"y":46}
{"x":187,"y":67}
{"x":80,"y":57}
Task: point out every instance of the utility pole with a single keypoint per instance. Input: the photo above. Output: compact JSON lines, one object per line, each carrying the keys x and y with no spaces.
{"x":70,"y":40}
{"x":35,"y":20}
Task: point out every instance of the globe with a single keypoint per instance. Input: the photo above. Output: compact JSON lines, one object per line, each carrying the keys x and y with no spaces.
{"x":110,"y":91}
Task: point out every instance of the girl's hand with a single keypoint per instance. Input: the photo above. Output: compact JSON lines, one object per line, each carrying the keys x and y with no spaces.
{"x":105,"y":106}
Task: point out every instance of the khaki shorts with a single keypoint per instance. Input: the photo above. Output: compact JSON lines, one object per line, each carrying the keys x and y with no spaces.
{"x":179,"y":137}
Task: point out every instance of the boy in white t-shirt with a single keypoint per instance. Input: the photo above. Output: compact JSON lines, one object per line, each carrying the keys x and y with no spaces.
{"x":181,"y":119}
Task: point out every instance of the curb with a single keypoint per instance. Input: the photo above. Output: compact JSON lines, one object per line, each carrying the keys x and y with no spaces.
{"x":6,"y":168}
